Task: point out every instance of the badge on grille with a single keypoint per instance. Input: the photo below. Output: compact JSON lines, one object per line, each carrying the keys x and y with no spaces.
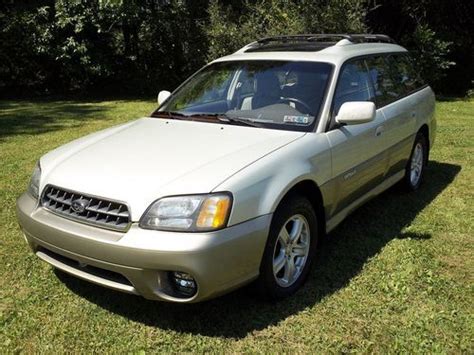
{"x":79,"y":206}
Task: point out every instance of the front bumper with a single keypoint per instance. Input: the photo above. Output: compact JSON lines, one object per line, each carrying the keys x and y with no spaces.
{"x":139,"y":260}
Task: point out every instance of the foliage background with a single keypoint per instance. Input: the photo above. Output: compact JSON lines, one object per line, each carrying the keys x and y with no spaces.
{"x":133,"y":47}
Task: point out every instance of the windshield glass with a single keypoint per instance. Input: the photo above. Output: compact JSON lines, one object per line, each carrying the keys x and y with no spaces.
{"x":272,"y":94}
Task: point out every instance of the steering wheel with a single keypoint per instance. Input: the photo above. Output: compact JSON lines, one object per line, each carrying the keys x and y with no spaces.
{"x":298,"y":101}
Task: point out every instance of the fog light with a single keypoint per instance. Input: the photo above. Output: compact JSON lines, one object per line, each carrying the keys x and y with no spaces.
{"x":184,"y":283}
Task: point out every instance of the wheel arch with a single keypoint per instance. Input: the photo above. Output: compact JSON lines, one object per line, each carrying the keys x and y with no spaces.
{"x":424,"y":129}
{"x":309,"y":189}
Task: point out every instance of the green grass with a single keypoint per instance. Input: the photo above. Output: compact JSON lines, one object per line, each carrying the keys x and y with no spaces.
{"x":396,"y":276}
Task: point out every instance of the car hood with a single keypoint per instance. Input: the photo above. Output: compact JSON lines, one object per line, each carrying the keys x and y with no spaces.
{"x":141,"y":161}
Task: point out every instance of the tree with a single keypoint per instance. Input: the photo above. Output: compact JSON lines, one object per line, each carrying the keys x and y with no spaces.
{"x":141,"y":46}
{"x":230,"y":27}
{"x":438,"y":32}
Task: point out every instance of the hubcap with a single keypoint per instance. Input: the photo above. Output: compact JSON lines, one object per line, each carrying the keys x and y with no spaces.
{"x":416,"y":165}
{"x":291,"y":250}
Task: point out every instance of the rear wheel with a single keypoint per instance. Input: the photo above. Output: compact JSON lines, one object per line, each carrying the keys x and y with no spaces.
{"x":415,"y":168}
{"x":290,"y":249}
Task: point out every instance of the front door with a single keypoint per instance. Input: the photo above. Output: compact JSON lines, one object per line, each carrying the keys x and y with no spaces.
{"x":359,"y":156}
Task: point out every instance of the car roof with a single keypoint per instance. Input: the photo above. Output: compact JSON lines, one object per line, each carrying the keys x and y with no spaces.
{"x":334,"y":53}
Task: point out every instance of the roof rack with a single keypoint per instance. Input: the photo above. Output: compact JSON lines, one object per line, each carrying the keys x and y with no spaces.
{"x":367,"y":37}
{"x":312,"y":42}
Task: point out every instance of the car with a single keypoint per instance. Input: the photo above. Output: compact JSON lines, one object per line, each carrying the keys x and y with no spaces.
{"x":238,"y":174}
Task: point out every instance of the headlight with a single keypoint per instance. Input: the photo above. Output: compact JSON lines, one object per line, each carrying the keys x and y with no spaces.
{"x":192,"y":213}
{"x":33,"y":188}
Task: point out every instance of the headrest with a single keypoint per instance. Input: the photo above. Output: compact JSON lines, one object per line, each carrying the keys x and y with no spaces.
{"x":267,"y":84}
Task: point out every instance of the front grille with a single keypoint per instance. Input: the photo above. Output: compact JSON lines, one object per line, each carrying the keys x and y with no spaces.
{"x":87,"y":209}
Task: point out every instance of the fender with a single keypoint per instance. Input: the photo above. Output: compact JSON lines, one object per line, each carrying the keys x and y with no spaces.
{"x":260,"y":187}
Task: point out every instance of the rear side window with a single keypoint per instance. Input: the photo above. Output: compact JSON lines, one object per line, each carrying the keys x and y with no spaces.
{"x":353,"y":85}
{"x":384,"y":74}
{"x":394,"y":76}
{"x":406,"y":75}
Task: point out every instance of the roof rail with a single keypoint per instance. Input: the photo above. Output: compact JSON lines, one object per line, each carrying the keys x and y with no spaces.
{"x":303,"y":38}
{"x":368,"y":37}
{"x":314,"y":41}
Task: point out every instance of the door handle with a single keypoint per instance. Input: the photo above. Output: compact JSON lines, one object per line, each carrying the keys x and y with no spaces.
{"x":378,"y":131}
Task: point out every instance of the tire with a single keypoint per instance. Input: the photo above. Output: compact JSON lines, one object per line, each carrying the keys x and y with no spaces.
{"x":415,"y":169}
{"x":294,"y":214}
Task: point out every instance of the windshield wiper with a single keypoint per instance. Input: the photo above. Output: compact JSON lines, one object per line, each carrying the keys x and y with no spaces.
{"x":222,"y":117}
{"x":170,"y":114}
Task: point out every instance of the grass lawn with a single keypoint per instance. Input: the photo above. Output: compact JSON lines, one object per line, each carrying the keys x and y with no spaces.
{"x":396,"y":276}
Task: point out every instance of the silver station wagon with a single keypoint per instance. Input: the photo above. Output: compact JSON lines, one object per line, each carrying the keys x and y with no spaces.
{"x":238,"y":173}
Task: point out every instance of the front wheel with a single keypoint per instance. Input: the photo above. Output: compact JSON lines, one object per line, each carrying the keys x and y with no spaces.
{"x":290,"y":249}
{"x":415,"y":168}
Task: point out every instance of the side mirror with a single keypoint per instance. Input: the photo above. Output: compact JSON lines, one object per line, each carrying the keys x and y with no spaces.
{"x":356,"y":112}
{"x":162,"y":96}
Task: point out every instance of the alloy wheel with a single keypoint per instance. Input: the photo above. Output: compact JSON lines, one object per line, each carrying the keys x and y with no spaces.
{"x":416,"y":165}
{"x":291,"y":250}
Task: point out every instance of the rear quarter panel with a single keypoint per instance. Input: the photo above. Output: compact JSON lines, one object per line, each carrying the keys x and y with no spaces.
{"x":426,"y":106}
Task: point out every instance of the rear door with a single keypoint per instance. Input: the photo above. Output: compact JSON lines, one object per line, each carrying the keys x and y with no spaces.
{"x":358,"y":152}
{"x":394,"y":82}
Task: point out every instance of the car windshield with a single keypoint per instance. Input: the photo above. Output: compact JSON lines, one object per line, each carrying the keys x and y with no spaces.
{"x":272,"y":94}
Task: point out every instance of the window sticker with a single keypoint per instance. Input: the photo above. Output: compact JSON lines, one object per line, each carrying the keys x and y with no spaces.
{"x":296,"y":119}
